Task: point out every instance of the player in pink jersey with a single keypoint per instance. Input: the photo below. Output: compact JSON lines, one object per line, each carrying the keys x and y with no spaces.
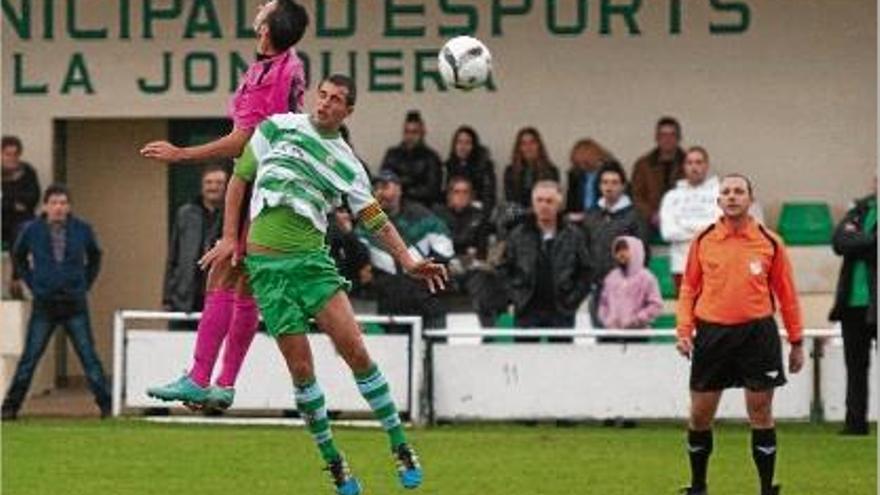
{"x":275,"y":83}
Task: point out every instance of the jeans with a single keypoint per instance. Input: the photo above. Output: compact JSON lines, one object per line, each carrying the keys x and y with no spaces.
{"x":40,"y":328}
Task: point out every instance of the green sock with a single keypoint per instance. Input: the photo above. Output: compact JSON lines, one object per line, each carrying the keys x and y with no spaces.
{"x":374,"y":388}
{"x":310,"y":403}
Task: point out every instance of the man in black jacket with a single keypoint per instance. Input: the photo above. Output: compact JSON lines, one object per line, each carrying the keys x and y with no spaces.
{"x":197,"y":227}
{"x":21,"y":191}
{"x":415,"y":163}
{"x":547,"y":264}
{"x":855,"y":305}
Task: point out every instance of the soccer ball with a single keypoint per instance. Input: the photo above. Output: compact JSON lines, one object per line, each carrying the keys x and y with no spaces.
{"x":465,"y":63}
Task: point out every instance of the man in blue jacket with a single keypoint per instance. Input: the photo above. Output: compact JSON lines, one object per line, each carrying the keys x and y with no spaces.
{"x":58,"y":258}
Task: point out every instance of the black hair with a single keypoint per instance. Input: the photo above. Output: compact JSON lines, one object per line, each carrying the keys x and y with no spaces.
{"x":287,"y":24}
{"x":672,"y":121}
{"x":345,"y":82}
{"x":12,"y":141}
{"x":743,"y":177}
{"x":477,"y":150}
{"x":619,"y":244}
{"x":215,"y":166}
{"x":56,"y":189}
{"x":413,"y":116}
{"x":611,"y":166}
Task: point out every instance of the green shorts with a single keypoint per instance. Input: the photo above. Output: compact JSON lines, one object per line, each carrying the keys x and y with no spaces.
{"x":292,"y":288}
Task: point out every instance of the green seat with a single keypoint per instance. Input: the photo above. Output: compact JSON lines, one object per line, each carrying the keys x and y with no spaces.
{"x":505,"y":321}
{"x":661,"y":267}
{"x":657,"y":239}
{"x":373,"y":329}
{"x":664,"y":322}
{"x":806,"y":223}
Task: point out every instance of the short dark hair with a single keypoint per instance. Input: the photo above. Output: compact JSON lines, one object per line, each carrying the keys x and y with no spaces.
{"x":12,"y":141}
{"x":345,"y":82}
{"x":459,"y":179}
{"x":287,"y":24}
{"x":56,"y":189}
{"x":671,"y":121}
{"x":217,"y":166}
{"x":748,"y":182}
{"x":413,"y":116}
{"x":611,"y":166}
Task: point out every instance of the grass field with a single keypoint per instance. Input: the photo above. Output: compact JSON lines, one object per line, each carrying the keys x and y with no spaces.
{"x":123,"y":457}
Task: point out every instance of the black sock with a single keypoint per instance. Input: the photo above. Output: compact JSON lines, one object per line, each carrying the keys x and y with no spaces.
{"x":764,"y":454}
{"x":699,"y":450}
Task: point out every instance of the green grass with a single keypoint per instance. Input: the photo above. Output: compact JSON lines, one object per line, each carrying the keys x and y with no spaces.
{"x":132,"y":457}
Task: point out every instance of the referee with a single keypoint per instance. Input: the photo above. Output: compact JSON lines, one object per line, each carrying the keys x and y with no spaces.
{"x":736,"y":272}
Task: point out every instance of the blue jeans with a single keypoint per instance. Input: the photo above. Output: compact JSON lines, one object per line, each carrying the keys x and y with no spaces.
{"x":40,"y":328}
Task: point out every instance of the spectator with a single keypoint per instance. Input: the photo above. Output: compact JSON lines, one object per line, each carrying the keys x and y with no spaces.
{"x":464,"y":219}
{"x":657,"y":171}
{"x":197,"y":226}
{"x":427,"y":236}
{"x":470,"y":159}
{"x":21,"y":190}
{"x":630,"y":293}
{"x":583,"y":187}
{"x":547,"y":264}
{"x":613,"y":216}
{"x":58,"y":257}
{"x":689,"y":208}
{"x":855,"y":305}
{"x":350,"y":255}
{"x":528,"y":166}
{"x":417,"y":166}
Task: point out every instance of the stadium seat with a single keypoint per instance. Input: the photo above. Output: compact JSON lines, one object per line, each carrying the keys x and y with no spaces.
{"x":506,"y":321}
{"x":661,"y":267}
{"x":665,"y":321}
{"x":806,"y":223}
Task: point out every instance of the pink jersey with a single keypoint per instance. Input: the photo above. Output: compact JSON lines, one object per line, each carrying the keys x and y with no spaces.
{"x":271,"y":85}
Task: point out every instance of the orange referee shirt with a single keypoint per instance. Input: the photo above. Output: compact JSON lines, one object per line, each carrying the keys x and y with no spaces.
{"x":733,"y":277}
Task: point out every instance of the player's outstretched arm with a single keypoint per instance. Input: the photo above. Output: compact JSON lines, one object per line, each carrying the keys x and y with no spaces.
{"x":229,"y":146}
{"x":434,"y":274}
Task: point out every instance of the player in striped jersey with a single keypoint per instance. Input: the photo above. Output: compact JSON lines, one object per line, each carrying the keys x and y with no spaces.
{"x":301,"y":168}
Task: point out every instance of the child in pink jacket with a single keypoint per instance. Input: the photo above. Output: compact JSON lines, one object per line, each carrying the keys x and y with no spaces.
{"x":630,"y":294}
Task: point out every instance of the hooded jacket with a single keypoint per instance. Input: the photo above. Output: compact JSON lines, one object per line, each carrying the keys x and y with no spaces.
{"x":631,"y":295}
{"x":684,"y":212}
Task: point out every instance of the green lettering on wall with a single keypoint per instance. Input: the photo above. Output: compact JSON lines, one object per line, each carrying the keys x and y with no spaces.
{"x":190,"y":65}
{"x":393,"y":9}
{"x":21,"y":20}
{"x":469,"y":11}
{"x":203,"y":19}
{"x":238,"y":65}
{"x":674,"y":16}
{"x":152,"y":13}
{"x":566,"y":30}
{"x":426,"y":69}
{"x":48,"y":19}
{"x":125,"y":19}
{"x":77,"y":33}
{"x":502,"y":9}
{"x":323,"y":30}
{"x":627,"y":11}
{"x":386,"y":78}
{"x":164,"y":84}
{"x":243,"y":25}
{"x":21,"y":86}
{"x":327,"y":65}
{"x":77,"y":76}
{"x":740,"y":8}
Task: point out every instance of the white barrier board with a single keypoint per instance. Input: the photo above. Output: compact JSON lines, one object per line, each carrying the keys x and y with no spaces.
{"x":834,"y":383}
{"x":546,"y":381}
{"x":157,"y":357}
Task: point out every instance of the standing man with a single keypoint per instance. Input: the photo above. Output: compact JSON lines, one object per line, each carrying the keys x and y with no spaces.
{"x":547,"y":264}
{"x":197,"y":227}
{"x":416,"y":164}
{"x":21,"y":191}
{"x":736,"y":271}
{"x":58,"y":257}
{"x":300,"y":167}
{"x":855,"y":305}
{"x":657,"y":171}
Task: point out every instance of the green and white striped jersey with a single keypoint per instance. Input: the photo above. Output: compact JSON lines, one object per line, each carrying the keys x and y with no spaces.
{"x":292,"y":164}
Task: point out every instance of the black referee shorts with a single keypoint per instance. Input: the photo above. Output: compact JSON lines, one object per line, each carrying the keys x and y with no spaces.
{"x":735,"y":356}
